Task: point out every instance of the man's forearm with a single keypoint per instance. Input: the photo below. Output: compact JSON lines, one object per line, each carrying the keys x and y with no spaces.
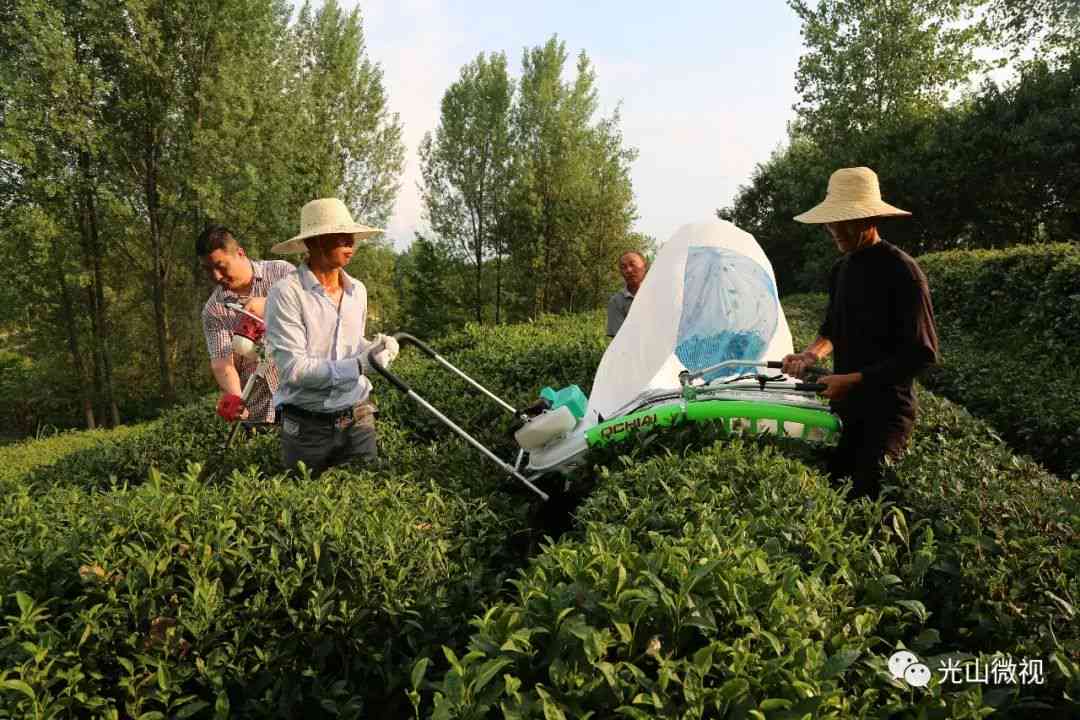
{"x":226,"y":376}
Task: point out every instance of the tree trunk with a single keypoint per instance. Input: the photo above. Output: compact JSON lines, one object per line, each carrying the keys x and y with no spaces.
{"x":498,"y":283}
{"x":480,"y":272}
{"x":159,"y":273}
{"x":67,"y":312}
{"x":102,"y":320}
{"x":92,"y":254}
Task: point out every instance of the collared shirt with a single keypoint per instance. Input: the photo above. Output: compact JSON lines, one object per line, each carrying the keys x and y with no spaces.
{"x":218,"y":322}
{"x":316,"y":342}
{"x":617,"y":308}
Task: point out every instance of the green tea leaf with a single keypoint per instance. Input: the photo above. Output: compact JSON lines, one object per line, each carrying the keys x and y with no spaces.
{"x":418,"y":671}
{"x":839,"y":662}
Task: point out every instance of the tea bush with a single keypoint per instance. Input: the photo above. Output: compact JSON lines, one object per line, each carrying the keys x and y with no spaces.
{"x":1010,"y":322}
{"x":334,"y":644}
{"x":258,"y":596}
{"x":699,"y":576}
{"x":514,"y":362}
{"x":1006,"y":534}
{"x":24,"y":457}
{"x":723,"y":583}
{"x":1006,"y":531}
{"x":628,"y":614}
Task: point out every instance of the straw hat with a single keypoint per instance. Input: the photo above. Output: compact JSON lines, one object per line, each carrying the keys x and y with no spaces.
{"x":853,"y":194}
{"x":325,"y":216}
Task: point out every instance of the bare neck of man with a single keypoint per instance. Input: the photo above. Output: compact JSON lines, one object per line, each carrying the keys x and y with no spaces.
{"x":329,"y":276}
{"x":868,"y":238}
{"x":245,"y":289}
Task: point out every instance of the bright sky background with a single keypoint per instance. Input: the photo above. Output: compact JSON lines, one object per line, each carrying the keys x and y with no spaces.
{"x":706,"y":87}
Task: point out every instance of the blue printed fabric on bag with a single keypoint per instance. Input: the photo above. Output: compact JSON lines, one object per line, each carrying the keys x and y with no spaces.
{"x":730,"y":311}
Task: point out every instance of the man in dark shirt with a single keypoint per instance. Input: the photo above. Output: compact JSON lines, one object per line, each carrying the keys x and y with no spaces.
{"x":879,"y":324}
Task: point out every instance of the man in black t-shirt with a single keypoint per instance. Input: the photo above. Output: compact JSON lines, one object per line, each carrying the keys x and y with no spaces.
{"x":879,"y":325}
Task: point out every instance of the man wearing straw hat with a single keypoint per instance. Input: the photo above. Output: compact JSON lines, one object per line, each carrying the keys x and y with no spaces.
{"x":879,"y":325}
{"x":315,"y":319}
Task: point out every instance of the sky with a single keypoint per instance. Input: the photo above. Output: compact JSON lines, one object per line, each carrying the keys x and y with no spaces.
{"x":706,"y":88}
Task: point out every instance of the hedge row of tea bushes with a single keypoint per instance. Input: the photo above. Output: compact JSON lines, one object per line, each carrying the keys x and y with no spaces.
{"x":722,"y":584}
{"x":1010,"y":327}
{"x":1007,"y":532}
{"x":128,"y":589}
{"x":734,"y":582}
{"x":127,"y":592}
{"x":20,"y":459}
{"x":512,"y":361}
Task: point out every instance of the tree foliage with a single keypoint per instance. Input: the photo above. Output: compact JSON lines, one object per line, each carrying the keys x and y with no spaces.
{"x":995,"y":168}
{"x":124,"y":127}
{"x":868,"y":62}
{"x":466,"y":166}
{"x":524,"y":175}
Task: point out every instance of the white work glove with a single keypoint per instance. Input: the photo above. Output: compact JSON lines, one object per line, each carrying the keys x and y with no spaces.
{"x":389,"y":350}
{"x":383,"y":349}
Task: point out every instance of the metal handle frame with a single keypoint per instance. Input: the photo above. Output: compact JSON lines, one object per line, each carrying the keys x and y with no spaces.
{"x":403,"y":387}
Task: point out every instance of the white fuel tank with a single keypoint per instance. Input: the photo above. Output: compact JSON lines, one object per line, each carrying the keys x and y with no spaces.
{"x":544,"y":428}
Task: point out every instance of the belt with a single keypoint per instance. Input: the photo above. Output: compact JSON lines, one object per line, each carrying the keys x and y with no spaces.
{"x":327,"y":417}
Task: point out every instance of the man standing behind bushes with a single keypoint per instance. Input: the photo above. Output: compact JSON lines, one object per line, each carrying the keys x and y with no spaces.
{"x":315,"y":330}
{"x":632,"y":267}
{"x":239,"y":280}
{"x":880,"y":324}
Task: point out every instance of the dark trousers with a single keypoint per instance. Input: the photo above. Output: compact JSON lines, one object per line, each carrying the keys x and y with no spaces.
{"x":323,"y":442}
{"x":864,"y":444}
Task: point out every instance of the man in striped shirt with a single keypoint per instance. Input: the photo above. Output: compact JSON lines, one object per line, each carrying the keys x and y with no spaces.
{"x":239,"y":280}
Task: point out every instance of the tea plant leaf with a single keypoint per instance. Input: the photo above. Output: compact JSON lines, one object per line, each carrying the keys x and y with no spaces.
{"x":488,"y":671}
{"x":191,"y":709}
{"x":916,"y":607}
{"x":839,"y":662}
{"x":19,"y":686}
{"x":26,"y":603}
{"x":1069,"y":609}
{"x":551,"y":708}
{"x":418,"y":672}
{"x":733,"y":689}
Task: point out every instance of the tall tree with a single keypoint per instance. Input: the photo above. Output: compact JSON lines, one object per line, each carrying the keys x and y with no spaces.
{"x":345,"y":141}
{"x":466,"y":167}
{"x":869,"y":62}
{"x":1048,"y":28}
{"x":551,"y":129}
{"x":611,"y":209}
{"x":53,"y":137}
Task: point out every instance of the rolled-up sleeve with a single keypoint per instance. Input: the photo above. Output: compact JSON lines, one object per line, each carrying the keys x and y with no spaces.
{"x":286,"y":336}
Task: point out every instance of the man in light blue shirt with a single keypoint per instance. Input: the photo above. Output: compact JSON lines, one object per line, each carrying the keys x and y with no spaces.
{"x":315,"y":320}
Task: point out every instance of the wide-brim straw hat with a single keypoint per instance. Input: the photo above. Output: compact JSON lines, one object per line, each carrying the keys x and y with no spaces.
{"x":853,"y":194}
{"x":325,"y":216}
